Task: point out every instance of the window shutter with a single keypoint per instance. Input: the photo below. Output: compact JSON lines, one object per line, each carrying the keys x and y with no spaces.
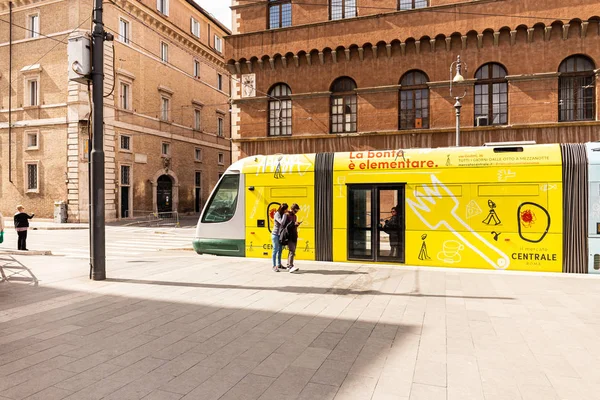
{"x":166,"y":7}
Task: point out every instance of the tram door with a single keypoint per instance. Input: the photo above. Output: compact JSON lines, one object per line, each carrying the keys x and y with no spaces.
{"x":376,"y":223}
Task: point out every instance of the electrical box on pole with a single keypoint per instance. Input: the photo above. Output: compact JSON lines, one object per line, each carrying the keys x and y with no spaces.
{"x":79,"y":51}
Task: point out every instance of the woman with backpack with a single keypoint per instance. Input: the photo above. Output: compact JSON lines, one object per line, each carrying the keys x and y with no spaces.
{"x":289,"y":234}
{"x":277,"y":247}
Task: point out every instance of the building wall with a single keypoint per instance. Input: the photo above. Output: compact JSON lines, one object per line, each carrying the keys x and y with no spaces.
{"x":376,"y":51}
{"x":62,"y":117}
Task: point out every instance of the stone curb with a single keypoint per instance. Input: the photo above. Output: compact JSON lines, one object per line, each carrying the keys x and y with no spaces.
{"x":58,"y":228}
{"x":26,"y":253}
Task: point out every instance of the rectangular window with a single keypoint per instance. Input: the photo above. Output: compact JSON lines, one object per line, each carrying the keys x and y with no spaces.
{"x":198,"y":154}
{"x":33,"y":92}
{"x":166,"y":149}
{"x":32,"y":140}
{"x":125,"y":175}
{"x":196,"y":69}
{"x":164,"y":52}
{"x":32,"y":178}
{"x":197,"y":120}
{"x":220,"y":126}
{"x":221,"y":159}
{"x":218,"y":44}
{"x":163,"y":6}
{"x":33,"y":24}
{"x":195,"y":27}
{"x":125,"y":142}
{"x":341,"y":9}
{"x":219,"y":81}
{"x":124,"y":31}
{"x":125,"y":96}
{"x":411,"y":4}
{"x":280,"y":14}
{"x":198,"y":180}
{"x":164,"y":110}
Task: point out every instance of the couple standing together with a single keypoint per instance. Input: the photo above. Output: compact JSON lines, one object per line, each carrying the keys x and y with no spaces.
{"x":285,"y":233}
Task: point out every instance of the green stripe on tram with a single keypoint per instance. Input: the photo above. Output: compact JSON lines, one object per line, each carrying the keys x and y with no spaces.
{"x":221,"y":247}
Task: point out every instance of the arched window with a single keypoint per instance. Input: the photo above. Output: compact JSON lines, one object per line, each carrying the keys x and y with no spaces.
{"x":343,"y":105}
{"x":414,"y":101}
{"x":341,"y":9}
{"x":491,"y":95}
{"x":576,"y":97}
{"x":280,"y":110}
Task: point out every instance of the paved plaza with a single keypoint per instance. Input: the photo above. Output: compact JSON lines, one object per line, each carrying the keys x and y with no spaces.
{"x":180,"y":326}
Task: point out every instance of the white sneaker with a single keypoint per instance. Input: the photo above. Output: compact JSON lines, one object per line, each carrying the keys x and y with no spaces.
{"x":294,"y":269}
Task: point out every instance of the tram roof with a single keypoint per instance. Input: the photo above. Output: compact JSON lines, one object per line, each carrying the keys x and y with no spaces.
{"x":417,"y":158}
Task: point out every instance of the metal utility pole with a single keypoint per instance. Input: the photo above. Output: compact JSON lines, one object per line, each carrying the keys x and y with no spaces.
{"x":458,"y":78}
{"x":97,"y":211}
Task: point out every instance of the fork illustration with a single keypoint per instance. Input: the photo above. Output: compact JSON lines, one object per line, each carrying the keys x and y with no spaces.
{"x":446,"y":203}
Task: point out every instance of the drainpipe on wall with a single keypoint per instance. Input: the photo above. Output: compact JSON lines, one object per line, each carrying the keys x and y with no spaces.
{"x":10,"y":6}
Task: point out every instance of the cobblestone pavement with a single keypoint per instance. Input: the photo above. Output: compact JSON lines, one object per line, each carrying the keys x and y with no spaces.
{"x":182,"y":326}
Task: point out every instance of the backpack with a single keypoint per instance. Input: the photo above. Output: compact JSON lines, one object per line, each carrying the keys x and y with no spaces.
{"x":284,"y":234}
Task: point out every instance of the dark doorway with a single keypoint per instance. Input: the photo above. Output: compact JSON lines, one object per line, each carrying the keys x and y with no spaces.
{"x":164,"y":194}
{"x":375,"y":231}
{"x":124,"y":201}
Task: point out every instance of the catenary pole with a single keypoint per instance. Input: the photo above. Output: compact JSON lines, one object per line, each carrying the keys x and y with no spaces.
{"x":97,"y":210}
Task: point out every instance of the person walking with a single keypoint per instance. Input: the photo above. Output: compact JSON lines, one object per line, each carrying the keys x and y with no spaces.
{"x":21,"y":226}
{"x":290,"y":223}
{"x":277,"y":247}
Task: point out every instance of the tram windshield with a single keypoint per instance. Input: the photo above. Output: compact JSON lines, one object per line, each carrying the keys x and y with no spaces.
{"x":223,"y":203}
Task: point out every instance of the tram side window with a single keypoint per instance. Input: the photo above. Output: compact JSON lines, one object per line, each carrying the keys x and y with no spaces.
{"x":224,"y":202}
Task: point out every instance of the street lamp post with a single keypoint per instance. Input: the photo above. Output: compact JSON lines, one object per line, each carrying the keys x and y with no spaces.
{"x":457,"y":79}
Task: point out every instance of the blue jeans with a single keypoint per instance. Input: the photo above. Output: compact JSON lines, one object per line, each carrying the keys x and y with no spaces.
{"x":277,"y":250}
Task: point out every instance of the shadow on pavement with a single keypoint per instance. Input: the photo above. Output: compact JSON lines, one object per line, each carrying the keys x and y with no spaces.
{"x":12,"y":270}
{"x":297,"y":289}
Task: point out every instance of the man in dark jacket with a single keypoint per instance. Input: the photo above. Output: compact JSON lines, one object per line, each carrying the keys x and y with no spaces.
{"x":21,"y":226}
{"x":392,"y":228}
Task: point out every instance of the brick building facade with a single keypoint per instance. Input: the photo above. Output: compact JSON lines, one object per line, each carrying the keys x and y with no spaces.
{"x":166,"y":110}
{"x":340,"y":75}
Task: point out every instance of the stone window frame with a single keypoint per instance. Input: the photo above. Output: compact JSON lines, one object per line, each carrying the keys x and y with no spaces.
{"x":166,"y":154}
{"x":197,"y":118}
{"x":280,"y":101}
{"x":281,"y":22}
{"x":164,"y":51}
{"x":125,"y":103}
{"x":162,"y":6}
{"x":196,"y":68}
{"x":130,"y":177}
{"x":414,"y":4}
{"x":33,"y":32}
{"x":198,"y":154}
{"x":31,"y":73}
{"x":166,"y":94}
{"x":221,"y":158}
{"x":218,"y":40}
{"x":29,"y":133}
{"x":342,"y":13}
{"x":574,"y":76}
{"x":349,"y":98}
{"x":220,"y":131}
{"x":127,"y":38}
{"x":219,"y":81}
{"x":123,"y":149}
{"x":26,"y":176}
{"x":489,"y":83}
{"x":195,"y":23}
{"x":412,"y":88}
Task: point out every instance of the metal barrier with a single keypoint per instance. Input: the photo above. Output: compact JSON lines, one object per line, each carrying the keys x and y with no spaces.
{"x":150,"y":218}
{"x":13,"y":270}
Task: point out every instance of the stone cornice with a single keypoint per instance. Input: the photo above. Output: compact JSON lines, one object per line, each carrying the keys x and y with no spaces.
{"x":532,"y":77}
{"x":164,"y":27}
{"x":437,"y":84}
{"x":416,"y":131}
{"x":378,"y":89}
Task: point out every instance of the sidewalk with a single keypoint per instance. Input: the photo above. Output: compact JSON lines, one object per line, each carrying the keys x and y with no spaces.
{"x":45,"y":224}
{"x":199,"y":327}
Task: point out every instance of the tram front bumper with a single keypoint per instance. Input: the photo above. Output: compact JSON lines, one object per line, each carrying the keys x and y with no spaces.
{"x":220,"y":247}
